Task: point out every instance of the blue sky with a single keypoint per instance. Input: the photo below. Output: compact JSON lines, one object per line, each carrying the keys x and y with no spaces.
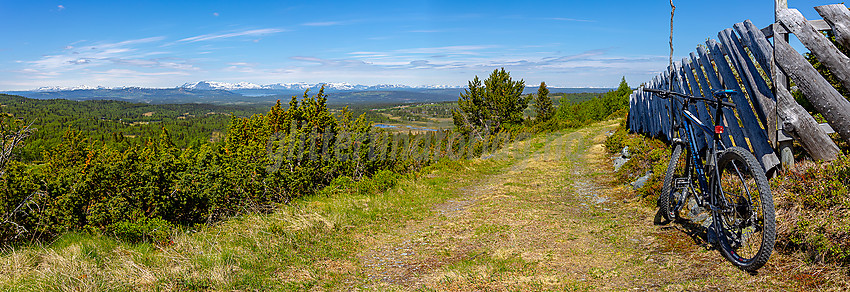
{"x":168,"y":43}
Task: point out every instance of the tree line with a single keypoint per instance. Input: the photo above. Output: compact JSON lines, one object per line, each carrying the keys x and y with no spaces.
{"x":498,"y":104}
{"x":142,"y":190}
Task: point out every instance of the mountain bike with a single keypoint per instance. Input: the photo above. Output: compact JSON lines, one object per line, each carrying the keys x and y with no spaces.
{"x":727,"y":181}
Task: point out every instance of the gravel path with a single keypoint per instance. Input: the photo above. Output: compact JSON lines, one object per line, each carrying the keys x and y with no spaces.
{"x":551,"y":219}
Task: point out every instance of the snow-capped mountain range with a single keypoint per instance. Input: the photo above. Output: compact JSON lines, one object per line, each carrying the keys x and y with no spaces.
{"x":213,"y":85}
{"x":344,"y":86}
{"x":250,"y":93}
{"x":61,"y":88}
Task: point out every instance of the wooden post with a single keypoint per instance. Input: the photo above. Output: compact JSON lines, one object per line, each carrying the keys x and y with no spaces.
{"x":784,"y":148}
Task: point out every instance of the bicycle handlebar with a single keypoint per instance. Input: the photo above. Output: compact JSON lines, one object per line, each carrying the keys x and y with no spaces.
{"x":665,"y":94}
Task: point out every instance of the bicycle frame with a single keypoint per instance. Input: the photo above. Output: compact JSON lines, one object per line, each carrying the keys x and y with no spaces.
{"x":709,"y":186}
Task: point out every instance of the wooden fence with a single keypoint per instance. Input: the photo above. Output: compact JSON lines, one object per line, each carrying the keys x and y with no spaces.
{"x":766,"y":116}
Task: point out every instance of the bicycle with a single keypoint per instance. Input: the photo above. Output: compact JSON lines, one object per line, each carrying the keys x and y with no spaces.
{"x":731,"y":184}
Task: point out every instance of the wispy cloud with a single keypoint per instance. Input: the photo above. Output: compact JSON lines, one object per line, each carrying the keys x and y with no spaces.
{"x":90,"y":55}
{"x":332,"y":22}
{"x":571,"y":19}
{"x":322,"y":23}
{"x":455,"y":50}
{"x":217,"y":36}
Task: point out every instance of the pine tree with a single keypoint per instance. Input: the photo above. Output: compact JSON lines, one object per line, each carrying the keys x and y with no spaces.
{"x":474,"y":113}
{"x":545,"y":110}
{"x":504,"y":96}
{"x":485,"y":109}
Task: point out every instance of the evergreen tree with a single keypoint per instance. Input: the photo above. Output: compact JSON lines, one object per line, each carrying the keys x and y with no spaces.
{"x":474,"y":113}
{"x":486,"y":109}
{"x":545,"y":110}
{"x":505,"y":97}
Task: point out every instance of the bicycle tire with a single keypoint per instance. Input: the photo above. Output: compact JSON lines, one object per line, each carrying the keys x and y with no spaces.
{"x":747,"y":228}
{"x":676,"y":168}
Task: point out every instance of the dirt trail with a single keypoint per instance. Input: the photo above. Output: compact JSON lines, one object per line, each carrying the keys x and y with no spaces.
{"x":550,"y":220}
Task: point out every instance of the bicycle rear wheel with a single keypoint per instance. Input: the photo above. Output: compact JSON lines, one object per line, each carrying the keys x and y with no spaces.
{"x":672,"y":192}
{"x":747,"y":227}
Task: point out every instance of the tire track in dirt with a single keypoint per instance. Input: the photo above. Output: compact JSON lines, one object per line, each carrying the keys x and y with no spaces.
{"x":549,"y":220}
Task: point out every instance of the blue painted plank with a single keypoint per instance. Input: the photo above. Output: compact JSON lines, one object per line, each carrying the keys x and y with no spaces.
{"x":758,"y":138}
{"x":707,"y":111}
{"x":730,"y":121}
{"x":693,"y":89}
{"x":748,"y":74}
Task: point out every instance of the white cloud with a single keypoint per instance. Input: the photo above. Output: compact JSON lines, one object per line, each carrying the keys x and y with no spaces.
{"x":75,"y":58}
{"x":216,"y":36}
{"x":454,"y":50}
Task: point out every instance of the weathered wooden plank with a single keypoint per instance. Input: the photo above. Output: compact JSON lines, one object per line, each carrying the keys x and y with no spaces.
{"x":631,"y":115}
{"x":757,"y":137}
{"x":702,"y":138}
{"x":659,"y":107}
{"x":760,"y":94}
{"x":655,"y":109}
{"x":804,"y":128}
{"x":790,"y":137}
{"x":656,"y":117}
{"x":680,"y":87}
{"x":770,"y":30}
{"x":640,"y":118}
{"x":817,"y":143}
{"x":826,"y":99}
{"x":837,"y":63}
{"x":758,"y":44}
{"x":763,"y":53}
{"x":645,"y":99}
{"x":706,"y":111}
{"x":676,"y":103}
{"x":729,"y":120}
{"x":838,"y":18}
{"x":665,"y":105}
{"x":647,"y":110}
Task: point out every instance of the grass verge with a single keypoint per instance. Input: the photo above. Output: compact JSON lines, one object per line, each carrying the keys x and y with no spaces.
{"x":308,"y":244}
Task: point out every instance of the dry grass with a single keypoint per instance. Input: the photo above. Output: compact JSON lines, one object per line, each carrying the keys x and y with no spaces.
{"x":541,"y":214}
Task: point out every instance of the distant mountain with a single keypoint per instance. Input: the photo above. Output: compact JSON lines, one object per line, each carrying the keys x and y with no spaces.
{"x":211,"y":92}
{"x":301,"y":86}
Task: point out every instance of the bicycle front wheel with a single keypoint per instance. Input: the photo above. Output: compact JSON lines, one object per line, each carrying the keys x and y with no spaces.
{"x":747,"y":222}
{"x":672,"y":191}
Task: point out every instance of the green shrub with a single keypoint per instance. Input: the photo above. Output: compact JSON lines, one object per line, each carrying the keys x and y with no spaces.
{"x":384,"y":180}
{"x":647,"y":155}
{"x":813,"y":203}
{"x":821,"y":186}
{"x":140,"y":192}
{"x":152,"y":230}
